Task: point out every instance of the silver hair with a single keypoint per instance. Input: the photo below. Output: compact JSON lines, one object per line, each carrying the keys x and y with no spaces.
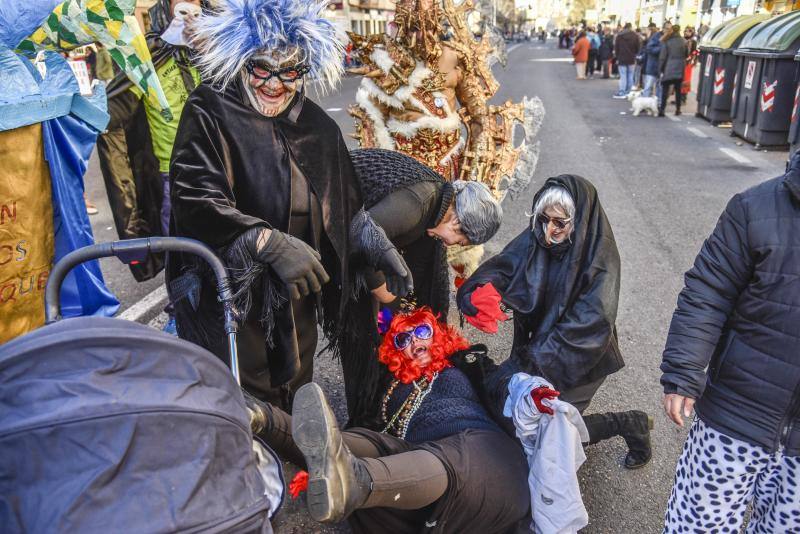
{"x":477,"y":210}
{"x":556,"y":196}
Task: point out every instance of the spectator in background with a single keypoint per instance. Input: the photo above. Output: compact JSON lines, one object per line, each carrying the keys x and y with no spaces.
{"x":650,"y":54}
{"x":691,"y":60}
{"x":606,"y":52}
{"x":671,"y":62}
{"x":732,"y":354}
{"x":626,"y":48}
{"x":594,"y":48}
{"x":581,"y":54}
{"x":105,"y":65}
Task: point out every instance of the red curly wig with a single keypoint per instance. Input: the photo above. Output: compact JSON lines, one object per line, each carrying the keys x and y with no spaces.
{"x":446,"y":341}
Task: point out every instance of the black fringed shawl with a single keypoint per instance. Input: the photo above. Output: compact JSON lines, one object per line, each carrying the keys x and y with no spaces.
{"x":230,"y":172}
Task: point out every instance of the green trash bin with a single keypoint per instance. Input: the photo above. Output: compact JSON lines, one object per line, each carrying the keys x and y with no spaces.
{"x":718,"y":65}
{"x":794,"y":130}
{"x":766,"y":74}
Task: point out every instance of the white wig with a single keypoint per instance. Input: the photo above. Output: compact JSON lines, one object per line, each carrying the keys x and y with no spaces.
{"x":235,"y":30}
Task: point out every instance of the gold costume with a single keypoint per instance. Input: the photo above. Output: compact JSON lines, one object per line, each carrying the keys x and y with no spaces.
{"x":427,"y":96}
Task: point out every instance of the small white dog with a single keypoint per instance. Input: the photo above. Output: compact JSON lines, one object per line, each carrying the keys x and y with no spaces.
{"x":642,"y":103}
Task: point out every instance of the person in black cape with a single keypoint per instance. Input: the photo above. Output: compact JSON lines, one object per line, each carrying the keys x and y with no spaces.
{"x":422,"y":214}
{"x":261,"y":174}
{"x":561,"y":278}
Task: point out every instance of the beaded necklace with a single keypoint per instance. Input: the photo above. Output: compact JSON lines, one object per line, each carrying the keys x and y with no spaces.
{"x":398,"y":424}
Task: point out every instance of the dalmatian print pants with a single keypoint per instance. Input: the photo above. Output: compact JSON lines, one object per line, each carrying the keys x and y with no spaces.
{"x":718,"y":476}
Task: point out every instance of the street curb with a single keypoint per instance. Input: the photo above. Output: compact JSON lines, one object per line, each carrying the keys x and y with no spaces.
{"x":140,"y":309}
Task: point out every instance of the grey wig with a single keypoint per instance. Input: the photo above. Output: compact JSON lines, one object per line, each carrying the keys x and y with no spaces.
{"x":477,"y":210}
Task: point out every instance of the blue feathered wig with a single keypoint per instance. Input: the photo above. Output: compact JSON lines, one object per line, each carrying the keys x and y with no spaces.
{"x":237,"y":29}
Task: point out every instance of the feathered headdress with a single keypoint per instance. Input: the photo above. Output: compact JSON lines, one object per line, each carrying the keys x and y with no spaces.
{"x":228,"y":36}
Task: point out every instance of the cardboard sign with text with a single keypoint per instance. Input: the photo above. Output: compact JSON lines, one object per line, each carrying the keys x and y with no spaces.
{"x":26,"y":230}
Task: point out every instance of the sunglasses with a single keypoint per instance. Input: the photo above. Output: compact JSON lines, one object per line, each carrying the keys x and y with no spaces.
{"x":263,"y":73}
{"x":403,"y":339}
{"x":558,"y":223}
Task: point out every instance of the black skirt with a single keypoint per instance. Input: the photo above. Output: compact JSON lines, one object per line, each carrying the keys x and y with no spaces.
{"x":487,"y":489}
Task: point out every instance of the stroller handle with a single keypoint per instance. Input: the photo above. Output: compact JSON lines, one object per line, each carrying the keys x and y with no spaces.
{"x":131,"y":250}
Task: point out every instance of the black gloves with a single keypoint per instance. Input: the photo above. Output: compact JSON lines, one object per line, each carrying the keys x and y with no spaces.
{"x":464,"y":298}
{"x":296,"y":264}
{"x":370,"y":240}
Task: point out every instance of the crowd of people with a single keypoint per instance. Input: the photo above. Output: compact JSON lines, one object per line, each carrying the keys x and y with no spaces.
{"x":656,"y":62}
{"x":254,"y":168}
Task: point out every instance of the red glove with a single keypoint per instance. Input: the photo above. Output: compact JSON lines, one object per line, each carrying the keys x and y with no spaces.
{"x":486,"y":300}
{"x":541,"y":393}
{"x":298,"y":484}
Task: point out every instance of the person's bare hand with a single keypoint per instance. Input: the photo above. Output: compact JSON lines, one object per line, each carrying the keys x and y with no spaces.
{"x":674,"y":404}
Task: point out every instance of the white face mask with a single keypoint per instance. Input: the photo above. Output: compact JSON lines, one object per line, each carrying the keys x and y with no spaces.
{"x":185,"y":14}
{"x":274,"y":96}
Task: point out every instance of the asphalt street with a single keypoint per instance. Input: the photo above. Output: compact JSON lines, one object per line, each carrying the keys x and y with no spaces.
{"x":663,"y":183}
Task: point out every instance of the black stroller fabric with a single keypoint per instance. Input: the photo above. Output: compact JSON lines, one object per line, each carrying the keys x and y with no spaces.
{"x":111,"y":426}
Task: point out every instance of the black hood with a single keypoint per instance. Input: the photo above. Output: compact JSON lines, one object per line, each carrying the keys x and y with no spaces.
{"x":592,"y":234}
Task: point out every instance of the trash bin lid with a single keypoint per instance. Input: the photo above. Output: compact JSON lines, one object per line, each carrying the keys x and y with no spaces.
{"x":727,"y":34}
{"x":774,"y":37}
{"x":710,"y":34}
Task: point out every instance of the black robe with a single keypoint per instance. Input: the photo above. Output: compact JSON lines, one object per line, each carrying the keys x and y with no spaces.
{"x":230,"y":172}
{"x":564,"y":297}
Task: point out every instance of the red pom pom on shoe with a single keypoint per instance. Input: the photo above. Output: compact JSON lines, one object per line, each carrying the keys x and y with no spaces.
{"x":298,"y":484}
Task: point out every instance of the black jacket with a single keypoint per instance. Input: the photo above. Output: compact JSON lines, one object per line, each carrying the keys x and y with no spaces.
{"x":564,"y":297}
{"x":626,"y":47}
{"x":739,"y":314}
{"x":672,"y":58}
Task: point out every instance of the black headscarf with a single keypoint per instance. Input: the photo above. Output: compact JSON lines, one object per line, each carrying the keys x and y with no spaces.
{"x":564,"y":297}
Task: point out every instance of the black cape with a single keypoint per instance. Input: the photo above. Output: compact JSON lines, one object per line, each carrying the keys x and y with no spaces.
{"x":564,"y":297}
{"x":230,"y":172}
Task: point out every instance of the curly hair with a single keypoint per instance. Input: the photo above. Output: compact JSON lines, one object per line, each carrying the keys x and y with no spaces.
{"x":446,"y":341}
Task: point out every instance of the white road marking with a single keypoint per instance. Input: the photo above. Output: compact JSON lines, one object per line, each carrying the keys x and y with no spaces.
{"x":334,"y":109}
{"x":734,"y":155}
{"x":144,"y":306}
{"x":552,"y":60}
{"x":512,"y":48}
{"x":673,"y":118}
{"x":696,"y":132}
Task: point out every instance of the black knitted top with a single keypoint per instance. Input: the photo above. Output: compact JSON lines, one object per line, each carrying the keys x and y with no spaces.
{"x":452,"y":406}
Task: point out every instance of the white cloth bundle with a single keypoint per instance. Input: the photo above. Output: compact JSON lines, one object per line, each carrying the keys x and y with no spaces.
{"x":553,"y":447}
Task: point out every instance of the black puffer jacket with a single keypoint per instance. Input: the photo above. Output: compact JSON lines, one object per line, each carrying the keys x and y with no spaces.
{"x":672,"y":58}
{"x":739,"y":314}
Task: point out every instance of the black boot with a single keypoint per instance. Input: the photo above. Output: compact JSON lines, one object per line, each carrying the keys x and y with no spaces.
{"x":634,"y":427}
{"x":338,"y":482}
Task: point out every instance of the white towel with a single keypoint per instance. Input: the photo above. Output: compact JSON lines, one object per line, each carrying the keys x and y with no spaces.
{"x":553,"y":447}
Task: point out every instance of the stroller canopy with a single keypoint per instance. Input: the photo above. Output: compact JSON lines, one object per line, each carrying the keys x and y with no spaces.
{"x":111,"y":426}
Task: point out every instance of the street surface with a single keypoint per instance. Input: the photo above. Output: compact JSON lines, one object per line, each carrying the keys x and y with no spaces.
{"x":662,"y":181}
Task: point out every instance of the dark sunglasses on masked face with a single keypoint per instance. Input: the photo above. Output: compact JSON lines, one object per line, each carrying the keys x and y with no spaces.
{"x":557,"y":222}
{"x":263,"y":73}
{"x":403,"y":339}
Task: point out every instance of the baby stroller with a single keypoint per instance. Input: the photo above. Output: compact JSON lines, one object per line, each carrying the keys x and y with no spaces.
{"x":111,"y":426}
